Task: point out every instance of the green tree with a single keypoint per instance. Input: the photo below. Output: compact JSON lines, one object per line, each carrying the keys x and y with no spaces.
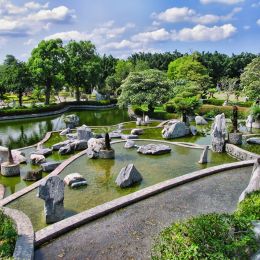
{"x":47,"y":65}
{"x":122,"y":69}
{"x":250,"y":79}
{"x":190,"y":70}
{"x":141,"y":65}
{"x":150,"y":87}
{"x":229,"y":85}
{"x":16,"y":77}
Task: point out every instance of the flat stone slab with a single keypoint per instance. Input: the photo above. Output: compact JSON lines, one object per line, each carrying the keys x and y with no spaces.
{"x":154,"y":149}
{"x":50,"y":166}
{"x":57,"y":146}
{"x":75,"y":178}
{"x":43,"y":151}
{"x":126,"y":137}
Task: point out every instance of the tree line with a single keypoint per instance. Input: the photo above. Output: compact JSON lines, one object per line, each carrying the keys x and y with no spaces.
{"x":78,"y":67}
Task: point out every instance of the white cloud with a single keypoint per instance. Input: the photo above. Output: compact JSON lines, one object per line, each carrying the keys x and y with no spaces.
{"x":185,"y":14}
{"x":227,"y":2}
{"x":70,"y":35}
{"x":124,"y":44}
{"x":258,"y":22}
{"x":157,"y":35}
{"x":204,"y":33}
{"x":34,"y":5}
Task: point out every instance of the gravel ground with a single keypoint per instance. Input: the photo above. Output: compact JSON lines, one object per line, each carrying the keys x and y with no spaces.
{"x":128,"y":233}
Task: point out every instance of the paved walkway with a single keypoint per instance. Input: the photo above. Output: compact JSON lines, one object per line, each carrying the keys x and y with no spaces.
{"x":128,"y":233}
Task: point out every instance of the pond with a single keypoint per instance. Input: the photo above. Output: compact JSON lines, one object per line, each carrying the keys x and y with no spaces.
{"x":25,"y":132}
{"x":101,"y":174}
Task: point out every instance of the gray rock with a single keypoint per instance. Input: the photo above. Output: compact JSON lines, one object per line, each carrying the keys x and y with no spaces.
{"x":79,"y":145}
{"x":43,"y":151}
{"x":128,"y":176}
{"x":129,"y":144}
{"x":200,"y":120}
{"x":72,"y":137}
{"x":137,"y":131}
{"x":52,"y":192}
{"x":37,"y":159}
{"x":254,"y":183}
{"x":33,"y":175}
{"x":71,"y":121}
{"x":126,"y":137}
{"x":91,"y":153}
{"x":204,"y":155}
{"x":154,"y":149}
{"x":218,"y":133}
{"x":175,"y":129}
{"x":65,"y":131}
{"x":74,"y":178}
{"x":147,"y":119}
{"x":65,"y":150}
{"x":253,"y":140}
{"x":138,"y":121}
{"x":114,"y":134}
{"x":18,"y":156}
{"x":193,"y":130}
{"x":106,"y":154}
{"x":57,"y":146}
{"x":96,"y":144}
{"x":79,"y":184}
{"x":50,"y":166}
{"x":84,"y":133}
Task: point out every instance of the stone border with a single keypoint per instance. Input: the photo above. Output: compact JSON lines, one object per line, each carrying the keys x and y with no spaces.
{"x":2,"y":191}
{"x":57,"y":112}
{"x":24,"y":247}
{"x":65,"y":163}
{"x":240,"y":153}
{"x":53,"y":231}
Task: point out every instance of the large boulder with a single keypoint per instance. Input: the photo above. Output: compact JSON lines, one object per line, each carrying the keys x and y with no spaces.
{"x":71,"y":121}
{"x":129,"y":144}
{"x":18,"y":156}
{"x":253,"y":140}
{"x":79,"y":145}
{"x":218,"y":133}
{"x":154,"y":149}
{"x":37,"y":159}
{"x":75,"y":180}
{"x":128,"y":176}
{"x":175,"y":129}
{"x":95,"y":144}
{"x":43,"y":151}
{"x":84,"y":133}
{"x":200,"y":120}
{"x":50,"y":166}
{"x":137,"y":131}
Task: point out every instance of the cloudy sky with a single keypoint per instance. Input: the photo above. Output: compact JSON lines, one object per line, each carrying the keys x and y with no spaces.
{"x":120,"y":27}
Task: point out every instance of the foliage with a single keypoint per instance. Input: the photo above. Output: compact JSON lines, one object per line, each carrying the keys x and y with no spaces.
{"x":219,"y":102}
{"x":255,"y":110}
{"x":8,"y":236}
{"x":250,"y":79}
{"x":47,"y":65}
{"x":229,"y":85}
{"x":150,"y":87}
{"x":211,"y":236}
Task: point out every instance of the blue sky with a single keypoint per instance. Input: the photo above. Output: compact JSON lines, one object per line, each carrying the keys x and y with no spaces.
{"x":121,"y":27}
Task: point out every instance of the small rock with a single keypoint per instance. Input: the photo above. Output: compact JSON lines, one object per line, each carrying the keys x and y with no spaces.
{"x":200,"y":120}
{"x":193,"y":130}
{"x":74,"y":178}
{"x":65,"y":131}
{"x":37,"y":159}
{"x":204,"y":155}
{"x":126,"y":137}
{"x":65,"y":150}
{"x":50,"y":166}
{"x":72,"y":137}
{"x":43,"y":151}
{"x":147,"y":119}
{"x":253,"y":140}
{"x":33,"y":175}
{"x":91,"y":153}
{"x":79,"y":145}
{"x":137,"y":131}
{"x":57,"y":146}
{"x":129,"y":144}
{"x":154,"y":149}
{"x":128,"y":176}
{"x":115,"y":134}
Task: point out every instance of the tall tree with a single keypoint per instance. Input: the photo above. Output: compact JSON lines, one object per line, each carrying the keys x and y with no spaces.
{"x":47,"y":64}
{"x":250,"y":79}
{"x":16,"y":77}
{"x":150,"y":87}
{"x":82,"y":66}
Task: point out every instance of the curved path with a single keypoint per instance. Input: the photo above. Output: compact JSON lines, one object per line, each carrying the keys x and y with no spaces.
{"x":128,"y":233}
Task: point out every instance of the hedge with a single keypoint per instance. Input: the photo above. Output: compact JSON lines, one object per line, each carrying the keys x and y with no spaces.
{"x":212,"y":236}
{"x":219,"y":102}
{"x":50,"y":108}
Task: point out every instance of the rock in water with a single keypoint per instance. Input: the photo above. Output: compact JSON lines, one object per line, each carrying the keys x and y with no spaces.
{"x":200,"y":120}
{"x":33,"y":175}
{"x":79,"y":145}
{"x":52,"y":192}
{"x":75,"y":180}
{"x":84,"y":133}
{"x":49,"y":166}
{"x":129,"y":144}
{"x":204,"y":155}
{"x":126,"y":137}
{"x":18,"y":156}
{"x":147,"y":119}
{"x":43,"y":151}
{"x":253,"y":140}
{"x":95,"y":144}
{"x":137,"y":131}
{"x":193,"y":130}
{"x":175,"y":129}
{"x":154,"y":149}
{"x":254,"y":183}
{"x":71,"y":121}
{"x":218,"y":133}
{"x":128,"y":176}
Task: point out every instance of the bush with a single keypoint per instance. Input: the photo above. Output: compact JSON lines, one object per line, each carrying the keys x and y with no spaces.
{"x":255,"y":110}
{"x":169,"y":108}
{"x":212,"y":236}
{"x":8,"y":236}
{"x":219,"y":102}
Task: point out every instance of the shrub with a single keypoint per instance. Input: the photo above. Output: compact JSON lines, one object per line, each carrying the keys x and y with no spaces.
{"x":211,"y":236}
{"x":8,"y":236}
{"x":219,"y":102}
{"x":169,"y":108}
{"x":255,"y":110}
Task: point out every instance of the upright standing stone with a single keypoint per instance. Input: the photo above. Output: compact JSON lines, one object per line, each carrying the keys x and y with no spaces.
{"x":204,"y":155}
{"x":218,"y":133}
{"x":84,"y":133}
{"x":52,"y":192}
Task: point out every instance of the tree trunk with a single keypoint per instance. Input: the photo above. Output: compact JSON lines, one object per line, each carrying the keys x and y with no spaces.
{"x":150,"y":109}
{"x":184,"y":118}
{"x":77,"y":94}
{"x":20,"y":97}
{"x":47,"y":92}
